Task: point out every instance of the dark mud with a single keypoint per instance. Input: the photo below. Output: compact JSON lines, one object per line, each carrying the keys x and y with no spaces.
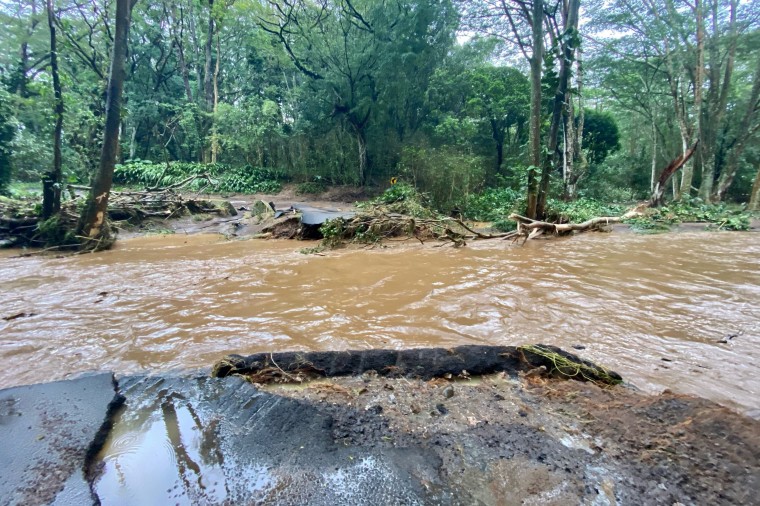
{"x":539,"y":441}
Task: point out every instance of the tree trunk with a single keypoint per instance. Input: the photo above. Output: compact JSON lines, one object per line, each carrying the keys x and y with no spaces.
{"x":744,"y":134}
{"x":754,"y":198}
{"x":654,"y":155}
{"x":717,"y":98}
{"x":207,"y":72}
{"x":23,"y":67}
{"x":569,"y":151}
{"x":536,"y":63}
{"x":361,"y":142}
{"x":687,"y":176}
{"x":499,"y":154}
{"x":579,"y":170}
{"x":93,"y":226}
{"x":560,"y":98}
{"x":133,"y":143}
{"x":214,"y":127}
{"x":208,"y":84}
{"x":21,"y":86}
{"x":51,"y":202}
{"x":180,"y":45}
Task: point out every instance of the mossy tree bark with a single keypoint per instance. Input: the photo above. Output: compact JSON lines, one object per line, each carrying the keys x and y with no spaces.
{"x":93,"y":226}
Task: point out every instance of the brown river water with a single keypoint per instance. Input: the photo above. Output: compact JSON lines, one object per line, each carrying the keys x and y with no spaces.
{"x":652,"y":307}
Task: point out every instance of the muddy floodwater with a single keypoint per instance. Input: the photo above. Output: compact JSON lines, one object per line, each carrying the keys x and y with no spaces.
{"x":652,"y":307}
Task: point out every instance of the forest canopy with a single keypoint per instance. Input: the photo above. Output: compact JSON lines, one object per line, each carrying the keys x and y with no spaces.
{"x":540,"y":99}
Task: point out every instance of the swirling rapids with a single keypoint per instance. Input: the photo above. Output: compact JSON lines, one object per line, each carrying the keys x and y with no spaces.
{"x":168,"y":302}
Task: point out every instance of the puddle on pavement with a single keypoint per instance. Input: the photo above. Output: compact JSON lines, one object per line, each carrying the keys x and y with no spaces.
{"x":651,"y":307}
{"x":191,"y":442}
{"x":166,"y":452}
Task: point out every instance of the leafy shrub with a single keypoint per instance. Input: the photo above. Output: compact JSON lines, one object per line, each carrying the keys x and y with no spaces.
{"x":647,"y":225}
{"x":445,"y":174}
{"x":693,"y":210}
{"x":580,"y":210}
{"x":7,"y":133}
{"x":505,"y":225}
{"x":244,"y":179}
{"x":402,"y":198}
{"x":493,"y":204}
{"x":310,"y":188}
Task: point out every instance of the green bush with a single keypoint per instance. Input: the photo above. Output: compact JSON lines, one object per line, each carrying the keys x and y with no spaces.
{"x":445,"y":174}
{"x":244,"y":179}
{"x":402,"y":198}
{"x":310,"y":188}
{"x":493,"y":204}
{"x":693,"y":210}
{"x":580,"y":210}
{"x":7,"y":133}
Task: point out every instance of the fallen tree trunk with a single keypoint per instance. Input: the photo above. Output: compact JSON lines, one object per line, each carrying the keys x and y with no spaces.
{"x":530,"y":229}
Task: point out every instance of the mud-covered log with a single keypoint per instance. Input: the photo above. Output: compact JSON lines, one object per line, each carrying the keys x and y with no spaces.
{"x":424,"y":363}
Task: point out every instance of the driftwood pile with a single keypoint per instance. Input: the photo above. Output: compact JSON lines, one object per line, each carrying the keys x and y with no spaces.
{"x":377,"y":224}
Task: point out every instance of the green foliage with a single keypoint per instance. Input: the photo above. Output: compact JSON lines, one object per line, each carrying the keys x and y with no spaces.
{"x":56,"y":231}
{"x":620,"y":178}
{"x":493,"y":204}
{"x":310,"y":188}
{"x":245,"y":179}
{"x":7,"y":133}
{"x":600,"y":135}
{"x":717,"y":216}
{"x":402,"y":198}
{"x":446,"y":174}
{"x":695,"y":210}
{"x":333,"y":232}
{"x":647,"y":225}
{"x":505,"y":225}
{"x":580,"y":210}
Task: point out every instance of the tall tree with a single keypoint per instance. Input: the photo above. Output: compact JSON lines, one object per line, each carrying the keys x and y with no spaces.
{"x":353,"y":52}
{"x":93,"y":224}
{"x":525,"y":25}
{"x":7,"y":134}
{"x":565,"y":41}
{"x":51,"y":203}
{"x":693,"y":48}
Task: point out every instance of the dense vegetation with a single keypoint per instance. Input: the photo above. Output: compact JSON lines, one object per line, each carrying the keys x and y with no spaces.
{"x":473,"y":103}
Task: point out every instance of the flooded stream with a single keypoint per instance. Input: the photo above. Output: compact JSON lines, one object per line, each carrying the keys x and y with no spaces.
{"x":651,"y":307}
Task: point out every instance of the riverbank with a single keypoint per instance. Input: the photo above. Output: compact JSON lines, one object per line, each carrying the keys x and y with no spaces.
{"x":291,"y":214}
{"x":506,"y":438}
